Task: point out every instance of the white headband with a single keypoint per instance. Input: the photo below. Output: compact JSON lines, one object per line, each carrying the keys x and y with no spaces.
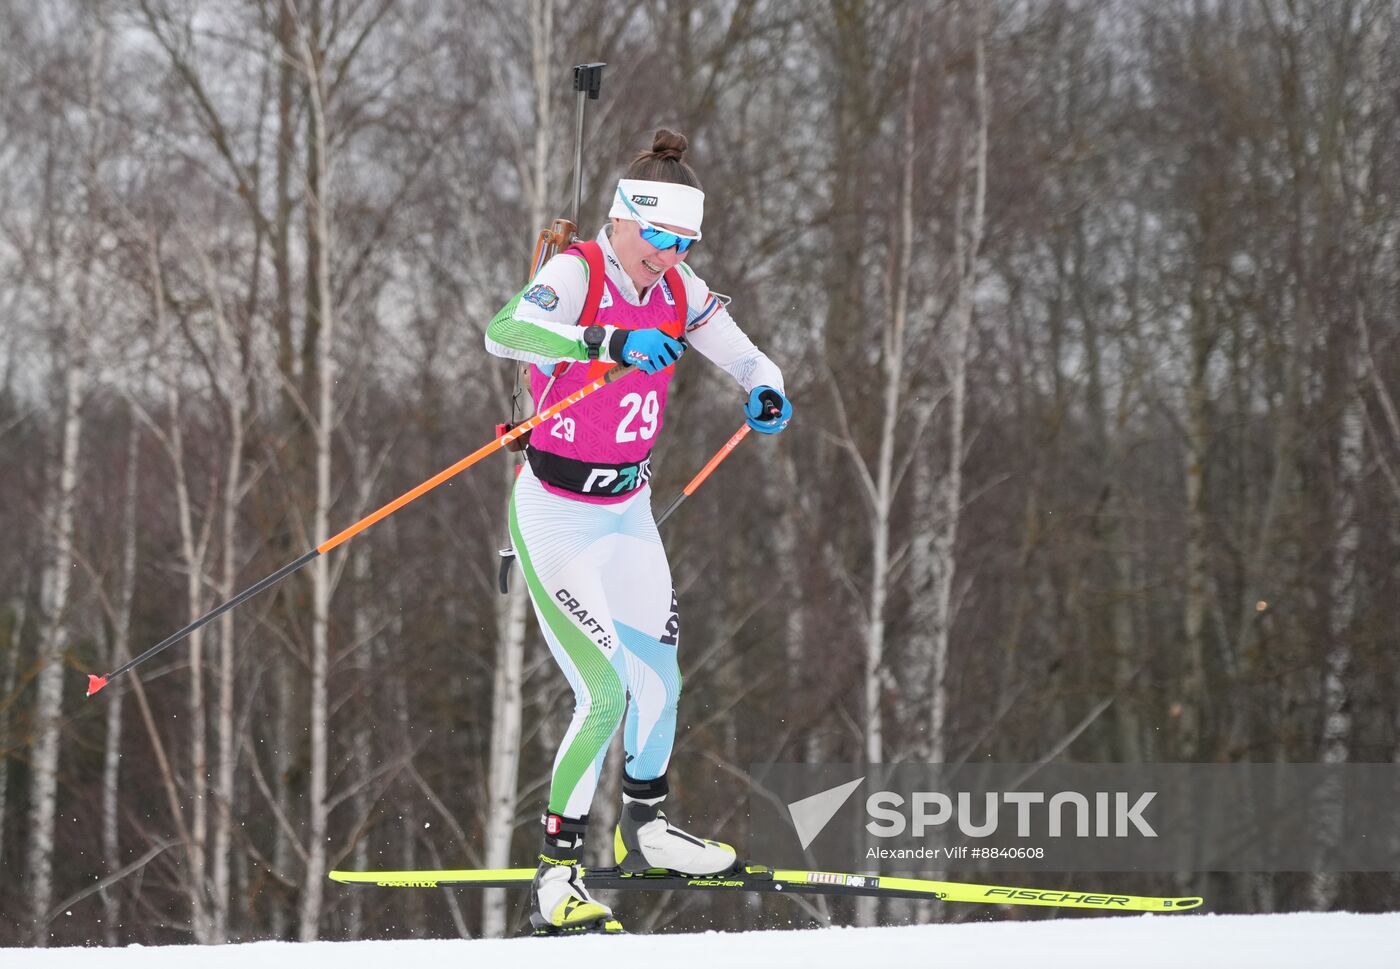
{"x":660,"y":203}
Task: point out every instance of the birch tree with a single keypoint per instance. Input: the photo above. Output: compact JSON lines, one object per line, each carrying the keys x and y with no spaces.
{"x":17,"y":610}
{"x":507,"y":697}
{"x":1354,"y":169}
{"x":880,"y":483}
{"x":194,"y":537}
{"x":53,"y":642}
{"x":72,"y":322}
{"x":120,"y":652}
{"x":323,"y":312}
{"x":969,"y":222}
{"x":230,"y":376}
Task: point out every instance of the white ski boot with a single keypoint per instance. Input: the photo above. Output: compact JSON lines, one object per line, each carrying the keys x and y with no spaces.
{"x":645,"y":840}
{"x":561,"y":905}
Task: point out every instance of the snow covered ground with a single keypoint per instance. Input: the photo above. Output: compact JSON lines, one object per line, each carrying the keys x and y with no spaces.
{"x":1139,"y":942}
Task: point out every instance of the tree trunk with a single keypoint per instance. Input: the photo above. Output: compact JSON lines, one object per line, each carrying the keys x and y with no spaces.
{"x":796,"y":646}
{"x":53,"y":643}
{"x":1351,"y":465}
{"x":286,"y":671}
{"x":969,"y":248}
{"x":933,"y":552}
{"x":507,"y":691}
{"x":192,"y":554}
{"x":1198,"y":430}
{"x":504,"y":765}
{"x":1336,"y":708}
{"x":19,"y":608}
{"x":55,"y":588}
{"x":361,"y":635}
{"x":884,"y":485}
{"x":233,"y":376}
{"x":121,"y":640}
{"x":287,"y":687}
{"x":319,"y":246}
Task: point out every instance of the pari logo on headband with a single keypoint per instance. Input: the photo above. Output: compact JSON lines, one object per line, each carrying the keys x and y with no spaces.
{"x":645,"y":200}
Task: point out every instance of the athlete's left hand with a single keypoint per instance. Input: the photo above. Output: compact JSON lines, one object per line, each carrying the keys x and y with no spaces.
{"x":650,"y":351}
{"x":767,"y":410}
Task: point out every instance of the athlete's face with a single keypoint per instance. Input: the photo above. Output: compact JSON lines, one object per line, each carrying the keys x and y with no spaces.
{"x":641,"y":261}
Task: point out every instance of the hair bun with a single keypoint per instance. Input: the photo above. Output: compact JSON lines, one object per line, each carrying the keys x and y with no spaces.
{"x":669,"y":144}
{"x":664,"y":162}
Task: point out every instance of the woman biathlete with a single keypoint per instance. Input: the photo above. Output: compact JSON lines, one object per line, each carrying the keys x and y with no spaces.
{"x":581,"y":519}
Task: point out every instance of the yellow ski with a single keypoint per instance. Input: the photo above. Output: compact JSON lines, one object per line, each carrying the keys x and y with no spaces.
{"x":756,"y":878}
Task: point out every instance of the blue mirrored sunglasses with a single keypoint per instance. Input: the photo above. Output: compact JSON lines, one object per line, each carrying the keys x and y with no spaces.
{"x":657,"y":238}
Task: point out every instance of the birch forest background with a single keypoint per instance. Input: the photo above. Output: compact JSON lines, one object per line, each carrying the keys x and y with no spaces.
{"x":1087,"y":310}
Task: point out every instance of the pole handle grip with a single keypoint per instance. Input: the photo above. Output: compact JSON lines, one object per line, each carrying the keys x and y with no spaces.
{"x":588,"y":79}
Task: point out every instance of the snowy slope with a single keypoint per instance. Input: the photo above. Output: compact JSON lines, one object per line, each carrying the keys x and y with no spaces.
{"x":1129,"y":942}
{"x":1186,"y":941}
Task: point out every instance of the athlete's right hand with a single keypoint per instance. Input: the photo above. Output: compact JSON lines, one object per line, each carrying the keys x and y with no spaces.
{"x":650,"y":350}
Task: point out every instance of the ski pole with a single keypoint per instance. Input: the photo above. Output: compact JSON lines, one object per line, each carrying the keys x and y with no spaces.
{"x":508,"y":553}
{"x":710,"y":465}
{"x":96,"y":683}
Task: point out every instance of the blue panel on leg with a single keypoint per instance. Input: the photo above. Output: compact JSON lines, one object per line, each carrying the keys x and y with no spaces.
{"x":654,"y":680}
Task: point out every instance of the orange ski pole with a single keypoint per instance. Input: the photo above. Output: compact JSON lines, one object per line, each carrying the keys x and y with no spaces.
{"x":704,"y":473}
{"x":710,"y":465}
{"x":96,"y":683}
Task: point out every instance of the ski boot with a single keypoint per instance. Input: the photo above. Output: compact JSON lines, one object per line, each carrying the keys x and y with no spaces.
{"x":559,"y":902}
{"x":561,"y":905}
{"x":644,"y":840}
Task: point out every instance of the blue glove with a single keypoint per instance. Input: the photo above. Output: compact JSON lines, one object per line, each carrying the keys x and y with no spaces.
{"x":649,"y":350}
{"x":768,"y":411}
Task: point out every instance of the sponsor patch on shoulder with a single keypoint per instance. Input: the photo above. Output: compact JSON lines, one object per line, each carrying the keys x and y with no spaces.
{"x":542,"y":296}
